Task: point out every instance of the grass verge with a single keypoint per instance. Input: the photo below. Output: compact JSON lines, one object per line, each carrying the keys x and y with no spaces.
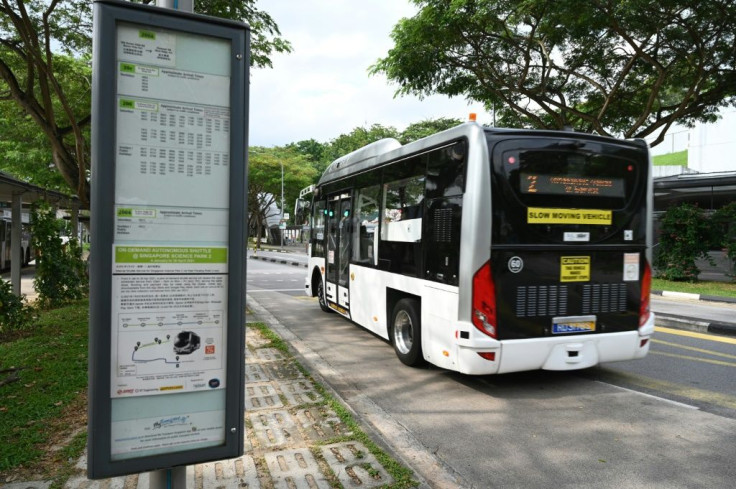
{"x":43,"y":383}
{"x":402,"y":476}
{"x":722,"y":289}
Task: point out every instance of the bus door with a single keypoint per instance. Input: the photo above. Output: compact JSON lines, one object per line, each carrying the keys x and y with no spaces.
{"x":339,"y":228}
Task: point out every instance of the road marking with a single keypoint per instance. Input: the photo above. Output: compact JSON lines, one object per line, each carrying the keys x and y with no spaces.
{"x":692,"y":348}
{"x":694,"y":359}
{"x":683,"y":391}
{"x":664,"y":399}
{"x":692,"y":334}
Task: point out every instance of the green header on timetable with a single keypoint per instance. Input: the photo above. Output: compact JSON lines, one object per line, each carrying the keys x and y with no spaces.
{"x":156,"y":254}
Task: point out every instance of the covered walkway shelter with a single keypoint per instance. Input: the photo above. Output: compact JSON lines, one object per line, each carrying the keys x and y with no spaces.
{"x":15,"y":194}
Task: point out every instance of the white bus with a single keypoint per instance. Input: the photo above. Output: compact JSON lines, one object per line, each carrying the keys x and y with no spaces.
{"x":6,"y":253}
{"x":488,"y":251}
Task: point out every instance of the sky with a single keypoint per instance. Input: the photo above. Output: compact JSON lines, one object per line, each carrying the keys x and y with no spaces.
{"x":322,"y":89}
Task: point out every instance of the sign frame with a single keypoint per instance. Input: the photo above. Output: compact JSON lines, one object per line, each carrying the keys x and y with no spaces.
{"x":108,"y":14}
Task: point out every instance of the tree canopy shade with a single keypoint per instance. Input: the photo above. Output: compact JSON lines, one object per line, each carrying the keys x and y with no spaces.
{"x":45,"y":48}
{"x":621,"y":68}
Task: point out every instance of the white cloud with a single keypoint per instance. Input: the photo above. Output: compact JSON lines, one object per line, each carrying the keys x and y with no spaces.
{"x":322,"y":89}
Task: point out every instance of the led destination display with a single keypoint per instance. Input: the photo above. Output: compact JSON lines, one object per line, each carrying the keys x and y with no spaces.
{"x":532,"y":183}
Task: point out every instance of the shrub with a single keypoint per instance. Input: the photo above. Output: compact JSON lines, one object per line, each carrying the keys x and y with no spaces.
{"x":686,"y":235}
{"x":15,"y":314}
{"x":724,"y":222}
{"x":60,"y":270}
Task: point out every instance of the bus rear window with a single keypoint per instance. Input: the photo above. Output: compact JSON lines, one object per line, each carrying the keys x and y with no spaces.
{"x":570,"y":177}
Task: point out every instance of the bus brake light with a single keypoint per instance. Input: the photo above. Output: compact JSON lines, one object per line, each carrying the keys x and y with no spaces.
{"x":484,"y":301}
{"x":646,"y":287}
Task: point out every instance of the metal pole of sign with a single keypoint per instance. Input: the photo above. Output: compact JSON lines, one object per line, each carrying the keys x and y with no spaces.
{"x":281,"y":221}
{"x":175,"y":477}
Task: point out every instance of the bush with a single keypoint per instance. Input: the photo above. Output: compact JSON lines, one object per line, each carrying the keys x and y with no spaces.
{"x":686,"y":235}
{"x":60,"y":270}
{"x":15,"y":314}
{"x":724,"y":221}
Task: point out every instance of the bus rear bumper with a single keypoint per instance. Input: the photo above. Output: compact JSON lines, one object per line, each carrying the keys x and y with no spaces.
{"x":557,"y":353}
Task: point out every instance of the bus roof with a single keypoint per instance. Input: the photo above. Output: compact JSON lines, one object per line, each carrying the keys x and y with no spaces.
{"x":389,"y":149}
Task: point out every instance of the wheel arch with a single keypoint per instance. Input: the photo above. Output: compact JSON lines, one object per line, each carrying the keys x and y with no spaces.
{"x":393,"y":296}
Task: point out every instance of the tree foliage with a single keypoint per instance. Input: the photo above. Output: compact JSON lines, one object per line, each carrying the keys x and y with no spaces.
{"x":45,"y":48}
{"x":628,"y":69}
{"x":61,"y":273}
{"x":267,"y":169}
{"x":686,"y":234}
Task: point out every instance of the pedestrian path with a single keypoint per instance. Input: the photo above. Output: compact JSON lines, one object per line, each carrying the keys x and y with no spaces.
{"x":294,"y":439}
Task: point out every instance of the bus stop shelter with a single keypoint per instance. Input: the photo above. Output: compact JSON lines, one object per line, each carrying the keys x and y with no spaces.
{"x":18,"y":193}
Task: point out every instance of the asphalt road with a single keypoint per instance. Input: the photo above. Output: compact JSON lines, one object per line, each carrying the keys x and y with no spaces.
{"x":665,"y":421}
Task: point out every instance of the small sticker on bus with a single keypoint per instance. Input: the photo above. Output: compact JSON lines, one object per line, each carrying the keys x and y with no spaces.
{"x":574,"y":269}
{"x":631,"y":267}
{"x":577,"y":237}
{"x":538,"y":215}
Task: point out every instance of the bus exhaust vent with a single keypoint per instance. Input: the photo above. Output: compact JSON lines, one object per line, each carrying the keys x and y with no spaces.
{"x":599,"y":298}
{"x":541,"y":300}
{"x":443,"y":225}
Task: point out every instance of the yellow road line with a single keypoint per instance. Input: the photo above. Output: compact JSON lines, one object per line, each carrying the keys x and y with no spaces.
{"x":695,"y":359}
{"x":687,"y":392}
{"x":692,"y":348}
{"x":692,"y":334}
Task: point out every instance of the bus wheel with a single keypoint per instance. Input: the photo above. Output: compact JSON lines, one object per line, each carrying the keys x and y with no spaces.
{"x":321,"y":296}
{"x":406,"y":333}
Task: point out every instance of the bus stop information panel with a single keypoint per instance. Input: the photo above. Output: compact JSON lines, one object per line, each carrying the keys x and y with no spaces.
{"x":168,"y":213}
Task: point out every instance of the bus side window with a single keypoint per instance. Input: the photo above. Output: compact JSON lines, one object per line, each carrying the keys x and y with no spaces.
{"x":318,"y":229}
{"x":446,"y":171}
{"x":366,"y":216}
{"x":400,"y":249}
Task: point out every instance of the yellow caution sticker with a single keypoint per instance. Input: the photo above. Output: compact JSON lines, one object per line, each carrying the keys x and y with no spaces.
{"x":540,"y":215}
{"x":575,"y":269}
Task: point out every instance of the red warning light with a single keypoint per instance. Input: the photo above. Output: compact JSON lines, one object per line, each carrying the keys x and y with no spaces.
{"x":630,"y":167}
{"x":511,"y":160}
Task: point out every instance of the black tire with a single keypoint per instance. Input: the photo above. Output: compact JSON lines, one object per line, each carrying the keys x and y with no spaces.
{"x":321,"y":295}
{"x":406,"y":332}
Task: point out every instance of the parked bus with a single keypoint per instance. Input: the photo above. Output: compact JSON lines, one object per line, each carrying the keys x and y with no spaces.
{"x":488,"y":251}
{"x":6,"y":253}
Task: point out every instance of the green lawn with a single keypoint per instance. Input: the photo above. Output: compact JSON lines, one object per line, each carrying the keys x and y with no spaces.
{"x":703,"y":288}
{"x":679,"y":158}
{"x":45,"y":376}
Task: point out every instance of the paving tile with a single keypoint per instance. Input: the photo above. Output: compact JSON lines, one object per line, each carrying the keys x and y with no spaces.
{"x":261,"y":396}
{"x":228,"y":474}
{"x":27,"y":485}
{"x":283,"y":371}
{"x":299,"y":392}
{"x":269,"y":355}
{"x":275,"y":429}
{"x":355,"y":466}
{"x":295,"y":469}
{"x":320,"y":423}
{"x":255,"y":373}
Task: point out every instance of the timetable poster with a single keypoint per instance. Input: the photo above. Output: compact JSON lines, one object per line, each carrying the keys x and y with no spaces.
{"x":170,"y":249}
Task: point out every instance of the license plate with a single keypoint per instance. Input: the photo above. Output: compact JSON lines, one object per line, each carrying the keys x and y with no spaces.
{"x":573,"y":324}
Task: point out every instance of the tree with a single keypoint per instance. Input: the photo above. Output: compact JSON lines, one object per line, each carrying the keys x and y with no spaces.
{"x":419,"y":130}
{"x":628,"y":69}
{"x":32,"y":70}
{"x":356,"y":139}
{"x":265,"y":182}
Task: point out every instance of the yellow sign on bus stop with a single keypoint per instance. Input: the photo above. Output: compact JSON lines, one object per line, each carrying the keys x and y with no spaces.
{"x":574,"y":269}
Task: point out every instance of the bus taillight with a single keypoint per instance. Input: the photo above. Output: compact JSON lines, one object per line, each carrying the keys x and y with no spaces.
{"x":484,"y":301}
{"x":646,"y":287}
